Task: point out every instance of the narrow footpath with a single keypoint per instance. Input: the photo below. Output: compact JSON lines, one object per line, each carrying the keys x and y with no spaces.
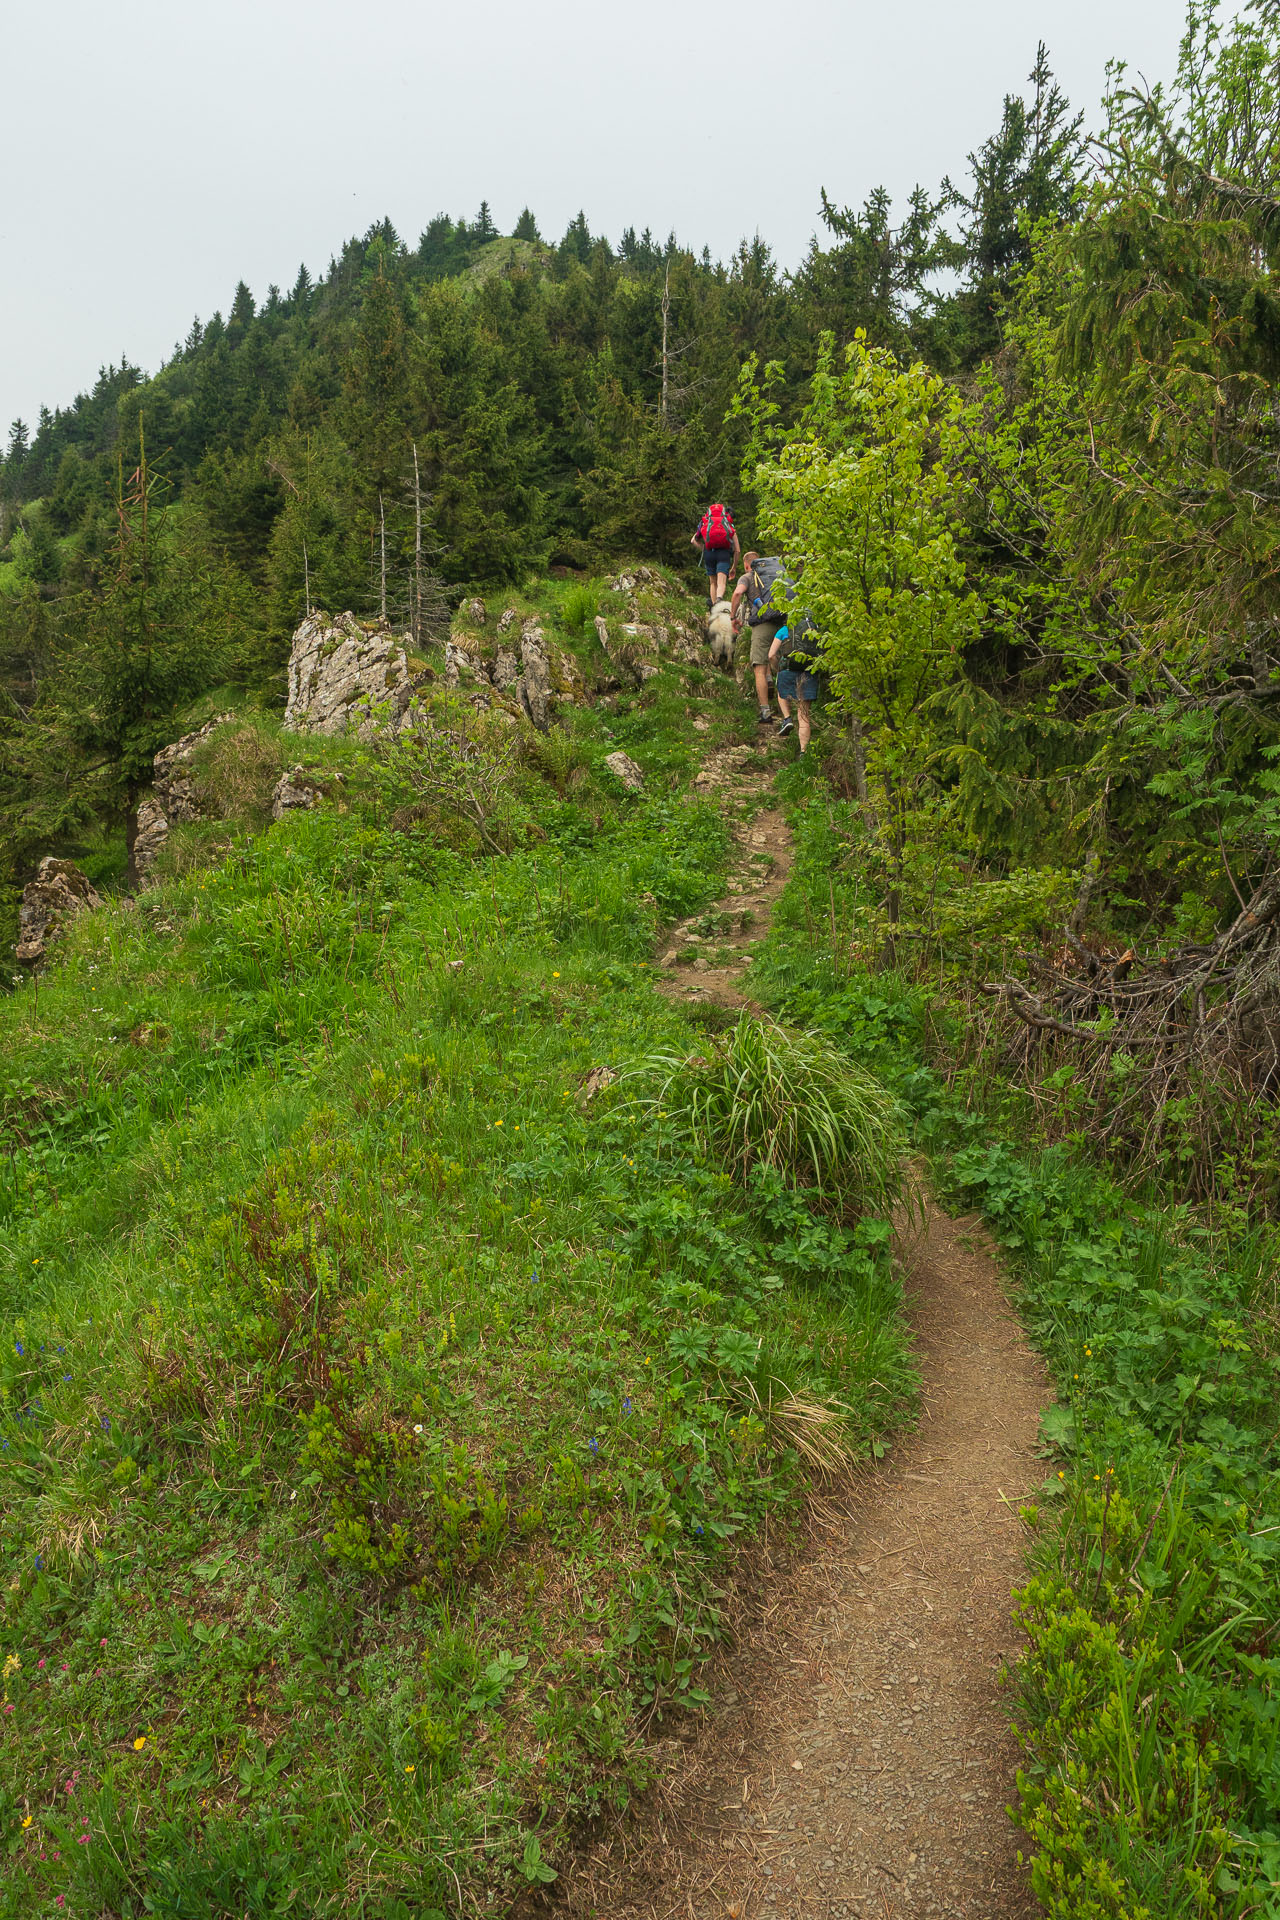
{"x":860,"y":1759}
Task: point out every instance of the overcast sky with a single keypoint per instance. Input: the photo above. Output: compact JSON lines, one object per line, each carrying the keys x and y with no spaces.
{"x":157,"y":152}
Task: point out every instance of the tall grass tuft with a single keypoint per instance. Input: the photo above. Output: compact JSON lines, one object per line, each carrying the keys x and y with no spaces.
{"x":763,"y":1094}
{"x":580,"y":605}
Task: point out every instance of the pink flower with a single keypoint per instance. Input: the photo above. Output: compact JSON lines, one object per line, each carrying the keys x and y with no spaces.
{"x":61,"y":1900}
{"x":84,"y":1839}
{"x":39,"y":1663}
{"x":103,"y":1641}
{"x":85,"y":1821}
{"x":8,"y":1706}
{"x":64,"y":1666}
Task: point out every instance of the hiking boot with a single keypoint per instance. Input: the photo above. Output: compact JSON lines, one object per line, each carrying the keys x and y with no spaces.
{"x":785,"y":728}
{"x":766,"y":718}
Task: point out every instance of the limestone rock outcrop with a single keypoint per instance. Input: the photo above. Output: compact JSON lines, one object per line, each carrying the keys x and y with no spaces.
{"x":175,"y":785}
{"x":344,"y":674}
{"x":175,"y":796}
{"x":532,"y":676}
{"x":58,"y":894}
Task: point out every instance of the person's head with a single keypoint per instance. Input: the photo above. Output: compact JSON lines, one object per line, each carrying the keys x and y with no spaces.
{"x":749,"y":559}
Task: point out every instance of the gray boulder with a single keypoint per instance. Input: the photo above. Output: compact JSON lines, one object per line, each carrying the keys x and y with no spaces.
{"x":624,"y":768}
{"x":294,"y":791}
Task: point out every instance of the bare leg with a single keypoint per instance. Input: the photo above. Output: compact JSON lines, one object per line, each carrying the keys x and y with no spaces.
{"x":802,"y":716}
{"x":721,"y":583}
{"x":762,"y":684}
{"x":784,"y":707}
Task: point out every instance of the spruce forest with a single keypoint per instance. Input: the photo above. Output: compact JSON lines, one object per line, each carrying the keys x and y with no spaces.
{"x":515,"y":1184}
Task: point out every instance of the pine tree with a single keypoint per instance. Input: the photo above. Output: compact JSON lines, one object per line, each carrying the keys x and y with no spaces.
{"x":527,"y":228}
{"x":1027,"y":173}
{"x":159,"y":634}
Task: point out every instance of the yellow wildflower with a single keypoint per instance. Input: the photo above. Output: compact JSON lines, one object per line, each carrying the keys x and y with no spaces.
{"x":140,"y":1743}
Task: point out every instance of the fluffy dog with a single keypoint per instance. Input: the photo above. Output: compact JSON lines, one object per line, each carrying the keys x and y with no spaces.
{"x":720,"y":635}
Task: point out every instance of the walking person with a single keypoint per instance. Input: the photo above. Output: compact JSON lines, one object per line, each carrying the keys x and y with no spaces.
{"x":717,"y":540}
{"x":752,"y":601}
{"x":796,"y":679}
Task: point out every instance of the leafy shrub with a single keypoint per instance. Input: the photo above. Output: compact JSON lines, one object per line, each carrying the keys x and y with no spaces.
{"x":769,"y":1095}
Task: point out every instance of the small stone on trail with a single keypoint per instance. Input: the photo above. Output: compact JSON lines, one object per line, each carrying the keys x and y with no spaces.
{"x":797,"y":1766}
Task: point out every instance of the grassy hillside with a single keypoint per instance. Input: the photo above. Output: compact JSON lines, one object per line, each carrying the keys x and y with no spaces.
{"x":384,"y":1418}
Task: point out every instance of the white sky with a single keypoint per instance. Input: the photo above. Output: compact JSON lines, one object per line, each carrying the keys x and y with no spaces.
{"x":156,"y":152}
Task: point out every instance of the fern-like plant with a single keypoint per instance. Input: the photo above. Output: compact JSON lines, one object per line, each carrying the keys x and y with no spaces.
{"x":763,"y":1094}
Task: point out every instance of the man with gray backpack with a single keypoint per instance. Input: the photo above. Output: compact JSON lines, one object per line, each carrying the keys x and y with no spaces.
{"x":761,"y":597}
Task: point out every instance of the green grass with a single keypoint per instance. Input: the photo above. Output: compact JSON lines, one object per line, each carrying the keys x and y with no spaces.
{"x":383,"y":1422}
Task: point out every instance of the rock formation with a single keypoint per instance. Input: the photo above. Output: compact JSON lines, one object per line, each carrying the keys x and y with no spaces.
{"x":58,"y":894}
{"x":174,"y":798}
{"x":343,"y":674}
{"x":532,"y":676}
{"x":295,"y":789}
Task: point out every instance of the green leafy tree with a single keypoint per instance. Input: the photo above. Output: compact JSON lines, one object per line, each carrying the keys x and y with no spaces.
{"x":857,"y":495}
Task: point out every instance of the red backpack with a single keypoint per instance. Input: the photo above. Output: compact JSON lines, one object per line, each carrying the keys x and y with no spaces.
{"x":716,"y":527}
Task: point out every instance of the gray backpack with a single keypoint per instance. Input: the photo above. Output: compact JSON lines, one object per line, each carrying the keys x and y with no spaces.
{"x":769,"y":592}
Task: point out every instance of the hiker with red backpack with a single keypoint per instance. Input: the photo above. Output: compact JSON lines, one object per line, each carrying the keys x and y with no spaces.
{"x":718,"y":540}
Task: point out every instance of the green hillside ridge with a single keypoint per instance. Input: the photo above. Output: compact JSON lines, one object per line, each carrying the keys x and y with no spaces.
{"x":395,"y":1405}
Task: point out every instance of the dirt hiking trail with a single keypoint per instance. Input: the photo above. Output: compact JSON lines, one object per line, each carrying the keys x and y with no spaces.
{"x":860,"y":1760}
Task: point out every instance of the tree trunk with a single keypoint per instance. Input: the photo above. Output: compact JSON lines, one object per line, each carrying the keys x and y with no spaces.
{"x":132,"y":878}
{"x":417,"y":551}
{"x":859,"y":740}
{"x":666,"y":357}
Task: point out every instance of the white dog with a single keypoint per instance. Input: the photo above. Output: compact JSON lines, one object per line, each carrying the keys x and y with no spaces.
{"x":720,"y":635}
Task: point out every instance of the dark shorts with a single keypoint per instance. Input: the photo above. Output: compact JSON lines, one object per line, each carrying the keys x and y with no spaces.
{"x":798,"y":686}
{"x":717,"y":559}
